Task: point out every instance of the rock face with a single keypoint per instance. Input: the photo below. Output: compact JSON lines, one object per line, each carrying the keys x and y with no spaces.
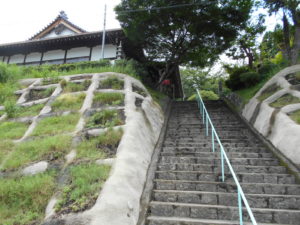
{"x":273,"y":121}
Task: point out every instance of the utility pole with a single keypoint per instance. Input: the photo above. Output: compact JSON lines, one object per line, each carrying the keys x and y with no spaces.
{"x":103,"y":32}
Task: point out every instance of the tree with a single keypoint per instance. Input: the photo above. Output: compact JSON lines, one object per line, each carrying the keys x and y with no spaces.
{"x":245,"y":46}
{"x":290,"y":10}
{"x":180,"y":32}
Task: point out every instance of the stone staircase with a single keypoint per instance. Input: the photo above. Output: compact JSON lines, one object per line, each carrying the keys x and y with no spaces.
{"x":187,"y":185}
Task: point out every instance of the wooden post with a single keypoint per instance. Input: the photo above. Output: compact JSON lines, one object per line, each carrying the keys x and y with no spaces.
{"x":8,"y":59}
{"x":65,"y":57}
{"x":24,"y":61}
{"x":90,"y":56}
{"x":42,"y":56}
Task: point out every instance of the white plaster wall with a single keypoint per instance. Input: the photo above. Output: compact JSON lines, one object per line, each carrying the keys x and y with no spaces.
{"x":52,"y":34}
{"x":16,"y":59}
{"x":78,"y":52}
{"x":1,"y":58}
{"x":110,"y":51}
{"x":55,"y":54}
{"x":33,"y":57}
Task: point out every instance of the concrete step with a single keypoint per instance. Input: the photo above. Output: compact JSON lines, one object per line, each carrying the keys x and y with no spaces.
{"x":162,"y":220}
{"x":205,"y":144}
{"x":216,"y":160}
{"x":211,"y":154}
{"x":200,"y":211}
{"x":217,"y":169}
{"x":257,"y":188}
{"x":209,"y":149}
{"x":242,"y":177}
{"x":228,"y":199}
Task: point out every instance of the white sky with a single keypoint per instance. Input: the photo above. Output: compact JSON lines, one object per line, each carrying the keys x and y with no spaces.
{"x":21,"y":19}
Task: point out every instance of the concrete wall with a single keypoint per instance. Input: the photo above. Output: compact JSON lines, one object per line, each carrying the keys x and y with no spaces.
{"x":34,"y":57}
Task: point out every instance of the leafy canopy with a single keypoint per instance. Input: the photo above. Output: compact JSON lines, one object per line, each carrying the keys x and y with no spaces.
{"x":183,"y":31}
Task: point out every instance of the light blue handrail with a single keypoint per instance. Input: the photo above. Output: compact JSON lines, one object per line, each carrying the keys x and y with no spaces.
{"x":241,"y":196}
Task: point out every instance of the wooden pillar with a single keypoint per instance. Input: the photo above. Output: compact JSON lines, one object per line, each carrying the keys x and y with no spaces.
{"x":65,"y":57}
{"x":8,"y":59}
{"x":90,"y":56}
{"x":24,"y":61}
{"x":42,"y":56}
{"x":3,"y":58}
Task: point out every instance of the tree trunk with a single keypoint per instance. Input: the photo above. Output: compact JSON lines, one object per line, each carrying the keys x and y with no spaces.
{"x":286,"y":37}
{"x":296,"y":44}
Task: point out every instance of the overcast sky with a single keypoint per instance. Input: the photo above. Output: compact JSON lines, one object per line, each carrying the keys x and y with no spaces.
{"x":21,"y":19}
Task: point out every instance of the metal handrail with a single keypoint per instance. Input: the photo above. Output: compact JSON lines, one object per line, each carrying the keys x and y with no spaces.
{"x":241,"y":196}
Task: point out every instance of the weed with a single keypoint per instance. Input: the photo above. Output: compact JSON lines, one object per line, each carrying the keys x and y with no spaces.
{"x":29,"y":111}
{"x":12,"y":130}
{"x":36,"y":94}
{"x":112,"y":82}
{"x":268,"y":92}
{"x":51,"y":80}
{"x":295,"y":116}
{"x":82,"y":192}
{"x":284,"y":100}
{"x":105,"y":118}
{"x":68,"y":102}
{"x":106,"y":99}
{"x":139,"y":90}
{"x":56,"y":125}
{"x":23,"y":200}
{"x":49,"y":148}
{"x":75,"y":87}
{"x":11,"y":109}
{"x":100,"y":147}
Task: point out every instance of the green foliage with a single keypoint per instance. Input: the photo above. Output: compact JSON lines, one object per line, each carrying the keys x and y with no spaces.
{"x":284,"y":100}
{"x":51,"y":80}
{"x":56,"y":125}
{"x":14,"y":111}
{"x":66,"y":102}
{"x":49,"y":148}
{"x":295,"y":116}
{"x":12,"y":130}
{"x":105,"y":118}
{"x":249,"y":79}
{"x":266,"y":68}
{"x":206,"y":95}
{"x":7,"y":92}
{"x":112,"y":82}
{"x":177,"y":35}
{"x":75,"y":87}
{"x":4,"y":74}
{"x":107,"y":99}
{"x":85,"y":184}
{"x":23,"y":199}
{"x":97,"y":148}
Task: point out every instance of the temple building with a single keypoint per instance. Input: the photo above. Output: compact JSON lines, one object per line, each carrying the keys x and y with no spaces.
{"x":63,"y":42}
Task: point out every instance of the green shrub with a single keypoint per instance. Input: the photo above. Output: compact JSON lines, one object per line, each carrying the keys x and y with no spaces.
{"x":11,"y":109}
{"x":266,"y":68}
{"x":4,"y":74}
{"x":249,"y":79}
{"x":234,"y":82}
{"x":206,"y":95}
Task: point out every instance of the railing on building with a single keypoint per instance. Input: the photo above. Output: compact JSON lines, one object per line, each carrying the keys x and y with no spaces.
{"x":215,"y":138}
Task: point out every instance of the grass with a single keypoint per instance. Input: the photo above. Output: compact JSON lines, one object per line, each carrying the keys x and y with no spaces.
{"x":2,"y":112}
{"x":67,"y":102}
{"x":105,"y":145}
{"x":105,"y":118}
{"x":56,"y":125}
{"x":107,"y":99}
{"x":284,"y":100}
{"x":268,"y":92}
{"x":156,"y":95}
{"x":23,"y":200}
{"x":139,"y":90}
{"x":75,"y":87}
{"x":83,"y":190}
{"x":28,"y":111}
{"x":112,"y":82}
{"x":12,"y":130}
{"x":295,"y":116}
{"x":51,"y":80}
{"x":6,"y":147}
{"x":36,"y":94}
{"x":49,"y":148}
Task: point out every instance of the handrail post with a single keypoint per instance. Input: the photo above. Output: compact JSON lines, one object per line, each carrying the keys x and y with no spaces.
{"x":222,"y":164}
{"x":240,"y":207}
{"x":213,"y":139}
